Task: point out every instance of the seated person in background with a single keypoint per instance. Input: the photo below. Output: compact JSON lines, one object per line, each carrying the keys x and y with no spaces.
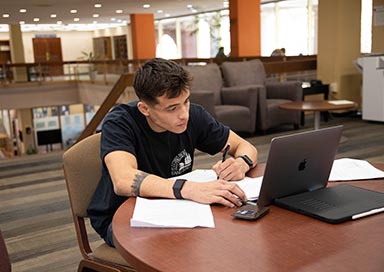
{"x":278,"y":52}
{"x":220,"y":53}
{"x":144,"y":143}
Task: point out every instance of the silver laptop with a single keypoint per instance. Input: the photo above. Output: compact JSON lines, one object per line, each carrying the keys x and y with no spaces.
{"x":296,"y":177}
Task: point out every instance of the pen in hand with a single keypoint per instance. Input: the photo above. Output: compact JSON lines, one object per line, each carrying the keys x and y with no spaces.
{"x":225,"y":154}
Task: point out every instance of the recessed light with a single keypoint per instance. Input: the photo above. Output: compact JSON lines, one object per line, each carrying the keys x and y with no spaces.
{"x":6,"y":15}
{"x":53,"y":15}
{"x":22,"y":22}
{"x":73,"y":11}
{"x":160,"y":11}
{"x":119,"y":11}
{"x":22,"y":10}
{"x":36,"y":19}
{"x":167,"y":15}
{"x":97,"y":5}
{"x":76,"y":19}
{"x":95,"y":15}
{"x":59,"y":22}
{"x":113,"y":19}
{"x":95,"y":22}
{"x":146,"y":6}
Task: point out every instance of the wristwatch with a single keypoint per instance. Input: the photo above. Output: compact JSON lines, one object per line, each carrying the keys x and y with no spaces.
{"x":177,"y":186}
{"x":247,"y":160}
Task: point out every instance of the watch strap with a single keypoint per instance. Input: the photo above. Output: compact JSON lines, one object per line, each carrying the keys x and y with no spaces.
{"x":177,"y":186}
{"x":247,"y":160}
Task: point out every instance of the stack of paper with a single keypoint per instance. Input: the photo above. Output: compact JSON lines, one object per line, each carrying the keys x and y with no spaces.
{"x":352,"y":169}
{"x":171,"y":213}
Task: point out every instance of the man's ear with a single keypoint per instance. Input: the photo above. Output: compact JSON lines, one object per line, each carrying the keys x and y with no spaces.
{"x":143,"y":108}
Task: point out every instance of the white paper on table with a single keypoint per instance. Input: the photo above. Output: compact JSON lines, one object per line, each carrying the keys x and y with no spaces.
{"x":171,"y":213}
{"x":340,"y":102}
{"x":250,"y":186}
{"x":352,"y":169}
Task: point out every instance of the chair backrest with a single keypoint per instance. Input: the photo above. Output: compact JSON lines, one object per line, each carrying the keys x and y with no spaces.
{"x":206,"y":78}
{"x":241,"y":73}
{"x":5,"y":263}
{"x":82,"y":169}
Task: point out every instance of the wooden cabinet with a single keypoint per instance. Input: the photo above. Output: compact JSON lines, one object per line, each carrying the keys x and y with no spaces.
{"x":5,"y":52}
{"x":102,"y":48}
{"x":120,"y":46}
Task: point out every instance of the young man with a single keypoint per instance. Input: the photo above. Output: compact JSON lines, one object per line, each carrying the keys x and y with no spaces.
{"x":146,"y":143}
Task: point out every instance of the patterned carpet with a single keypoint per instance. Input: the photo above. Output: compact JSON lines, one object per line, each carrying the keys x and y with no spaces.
{"x":34,"y":210}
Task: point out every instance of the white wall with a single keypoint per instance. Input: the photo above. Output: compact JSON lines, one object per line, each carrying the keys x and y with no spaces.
{"x":73,"y":42}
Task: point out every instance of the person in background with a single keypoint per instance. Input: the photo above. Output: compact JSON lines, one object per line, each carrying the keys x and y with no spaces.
{"x":220,"y":53}
{"x":278,"y":52}
{"x":146,"y":144}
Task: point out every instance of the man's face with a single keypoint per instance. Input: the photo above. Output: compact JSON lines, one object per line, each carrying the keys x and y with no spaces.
{"x":170,"y":114}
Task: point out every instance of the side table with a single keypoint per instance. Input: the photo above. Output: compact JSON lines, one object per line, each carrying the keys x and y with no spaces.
{"x":318,"y":106}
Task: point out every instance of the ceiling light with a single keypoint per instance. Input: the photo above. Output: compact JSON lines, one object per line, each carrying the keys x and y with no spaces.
{"x":97,"y":5}
{"x":36,"y":19}
{"x":146,"y":6}
{"x":22,"y":10}
{"x":167,"y":15}
{"x":6,"y":15}
{"x":59,"y":22}
{"x":73,"y":11}
{"x":76,"y":19}
{"x":53,"y":15}
{"x":160,"y":11}
{"x":119,"y":11}
{"x":95,"y":15}
{"x":113,"y":19}
{"x":22,"y":22}
{"x":226,"y":4}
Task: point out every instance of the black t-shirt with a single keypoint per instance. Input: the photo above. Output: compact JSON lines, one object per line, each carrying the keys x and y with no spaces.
{"x":165,"y":154}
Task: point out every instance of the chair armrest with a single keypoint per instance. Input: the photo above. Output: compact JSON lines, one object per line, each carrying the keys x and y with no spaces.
{"x":241,"y":95}
{"x":204,"y":98}
{"x":291,"y":90}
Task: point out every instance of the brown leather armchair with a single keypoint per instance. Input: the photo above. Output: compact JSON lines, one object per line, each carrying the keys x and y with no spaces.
{"x":235,"y":106}
{"x":270,"y":94}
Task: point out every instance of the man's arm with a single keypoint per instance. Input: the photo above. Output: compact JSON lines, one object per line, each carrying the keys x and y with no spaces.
{"x":235,"y":168}
{"x":129,"y":181}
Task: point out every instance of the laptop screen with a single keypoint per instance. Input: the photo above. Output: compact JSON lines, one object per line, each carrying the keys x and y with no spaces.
{"x":298,"y":163}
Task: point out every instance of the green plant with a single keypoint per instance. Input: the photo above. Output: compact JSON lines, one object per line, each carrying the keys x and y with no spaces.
{"x":88,"y":55}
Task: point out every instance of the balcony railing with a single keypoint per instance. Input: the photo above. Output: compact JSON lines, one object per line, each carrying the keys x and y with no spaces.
{"x":109,"y":71}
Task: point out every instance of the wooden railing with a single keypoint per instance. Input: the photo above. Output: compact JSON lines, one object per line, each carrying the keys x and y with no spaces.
{"x":124,"y":81}
{"x":80,"y":70}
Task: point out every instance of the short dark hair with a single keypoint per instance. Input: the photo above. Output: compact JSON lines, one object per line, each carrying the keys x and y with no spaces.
{"x":157,"y":77}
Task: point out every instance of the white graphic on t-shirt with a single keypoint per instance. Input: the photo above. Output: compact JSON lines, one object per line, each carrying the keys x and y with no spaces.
{"x":181,"y":163}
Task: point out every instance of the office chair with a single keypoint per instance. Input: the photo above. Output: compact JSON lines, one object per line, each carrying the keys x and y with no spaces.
{"x":5,"y":263}
{"x":82,"y":170}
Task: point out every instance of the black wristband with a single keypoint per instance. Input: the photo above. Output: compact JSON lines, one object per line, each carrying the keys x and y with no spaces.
{"x":177,"y":186}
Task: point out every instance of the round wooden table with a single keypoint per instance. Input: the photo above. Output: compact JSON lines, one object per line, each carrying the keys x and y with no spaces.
{"x":318,"y":106}
{"x":282,"y":240}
